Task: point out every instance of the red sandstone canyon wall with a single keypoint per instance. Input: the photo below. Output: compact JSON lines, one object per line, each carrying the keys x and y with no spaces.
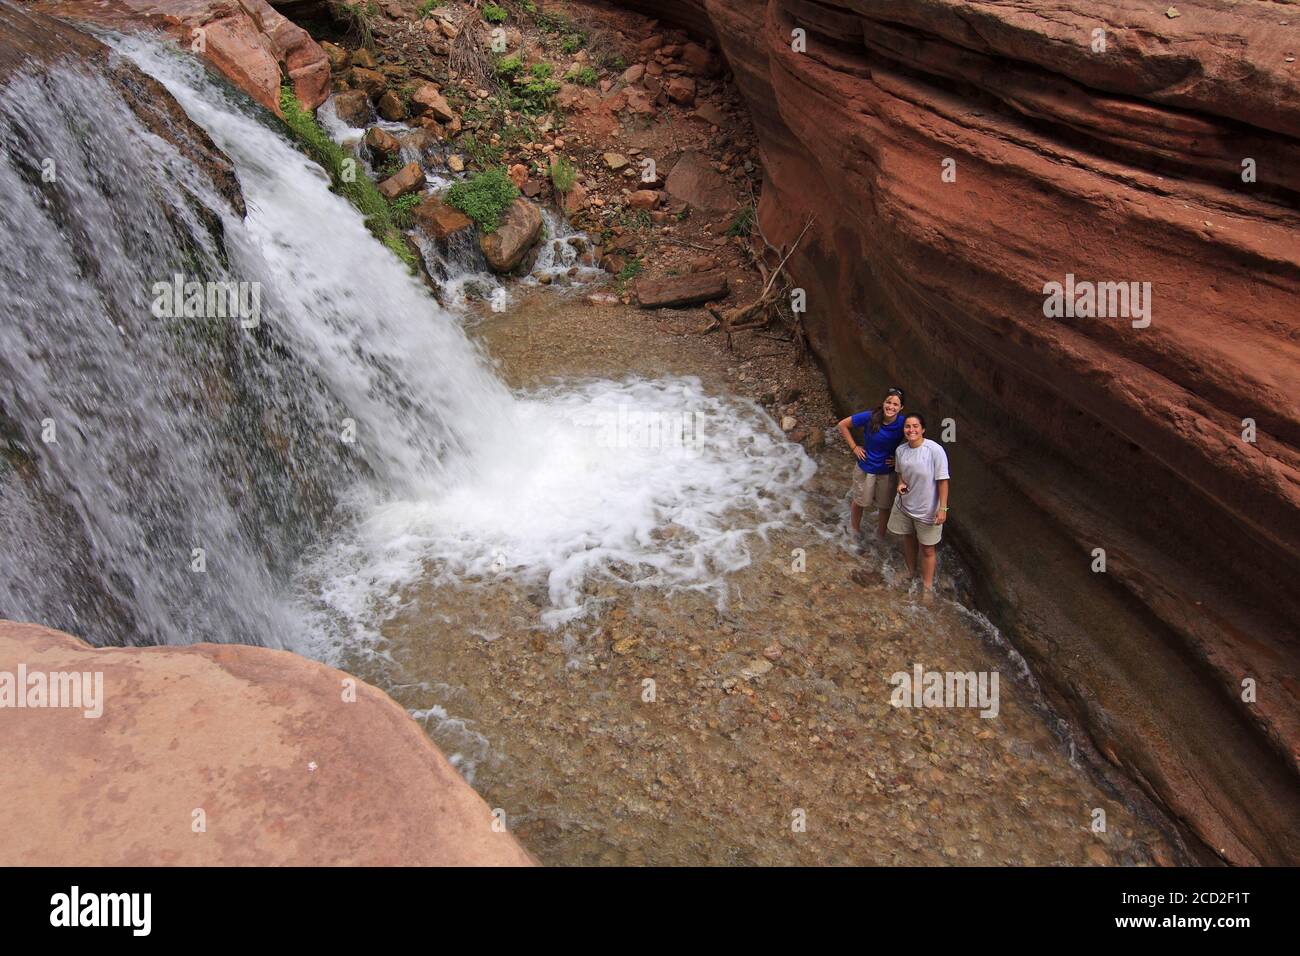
{"x":1122,"y":164}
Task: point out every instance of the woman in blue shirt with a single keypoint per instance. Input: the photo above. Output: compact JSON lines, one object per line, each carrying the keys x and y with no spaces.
{"x":874,"y":480}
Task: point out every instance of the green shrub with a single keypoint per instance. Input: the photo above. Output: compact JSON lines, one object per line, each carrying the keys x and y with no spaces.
{"x":573,"y":42}
{"x":484,"y":197}
{"x":630,"y":271}
{"x":345,"y":176}
{"x":428,"y":7}
{"x":743,"y":224}
{"x":401,"y":209}
{"x":584,"y":77}
{"x":494,"y":14}
{"x":563,"y":174}
{"x":508,"y":67}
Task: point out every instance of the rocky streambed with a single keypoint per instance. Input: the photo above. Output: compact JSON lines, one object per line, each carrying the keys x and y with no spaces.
{"x":664,"y":730}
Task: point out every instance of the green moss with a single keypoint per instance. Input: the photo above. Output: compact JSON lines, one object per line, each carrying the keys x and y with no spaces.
{"x":345,"y":176}
{"x":484,"y":197}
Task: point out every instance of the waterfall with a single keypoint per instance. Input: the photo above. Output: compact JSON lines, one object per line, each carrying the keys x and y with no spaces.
{"x":257,"y":481}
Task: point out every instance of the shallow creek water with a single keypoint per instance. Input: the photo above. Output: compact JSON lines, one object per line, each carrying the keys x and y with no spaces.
{"x":658,"y":729}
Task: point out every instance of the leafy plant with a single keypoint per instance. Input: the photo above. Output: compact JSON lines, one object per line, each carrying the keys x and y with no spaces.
{"x":428,"y":7}
{"x":508,"y":67}
{"x":573,"y":42}
{"x":563,"y":174}
{"x":630,"y":271}
{"x":494,"y":14}
{"x":584,"y":77}
{"x":342,"y":169}
{"x":484,"y":197}
{"x":402,"y":207}
{"x":481,"y":152}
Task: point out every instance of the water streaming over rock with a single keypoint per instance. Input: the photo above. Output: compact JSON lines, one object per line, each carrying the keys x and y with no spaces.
{"x":350,"y":441}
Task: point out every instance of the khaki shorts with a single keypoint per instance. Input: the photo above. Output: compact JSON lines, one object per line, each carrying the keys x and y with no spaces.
{"x":873,"y":491}
{"x":900,"y":522}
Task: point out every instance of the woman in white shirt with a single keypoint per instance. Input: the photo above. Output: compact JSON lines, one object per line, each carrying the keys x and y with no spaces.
{"x":921,"y":506}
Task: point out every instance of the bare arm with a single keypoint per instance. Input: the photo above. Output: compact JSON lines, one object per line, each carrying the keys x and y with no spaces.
{"x":942,"y":516}
{"x":858,"y":450}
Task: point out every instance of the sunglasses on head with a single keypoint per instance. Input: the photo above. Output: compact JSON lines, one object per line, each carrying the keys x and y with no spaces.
{"x":894,"y":391}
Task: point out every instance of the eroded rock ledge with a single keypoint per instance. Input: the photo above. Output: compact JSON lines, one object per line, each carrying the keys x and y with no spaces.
{"x":284,"y":767}
{"x":1074,"y":434}
{"x":247,"y":40}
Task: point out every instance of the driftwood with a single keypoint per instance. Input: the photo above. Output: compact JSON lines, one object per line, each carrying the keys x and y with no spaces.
{"x":758,"y":313}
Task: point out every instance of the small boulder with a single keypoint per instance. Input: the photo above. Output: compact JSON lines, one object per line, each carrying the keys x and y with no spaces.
{"x":634,"y":73}
{"x":700,"y":61}
{"x":409,"y":179}
{"x":518,"y":232}
{"x":643,"y":199}
{"x":681,"y":290}
{"x":575,"y":200}
{"x":363,"y":57}
{"x":427,"y":100}
{"x":382,"y":144}
{"x":391,"y":107}
{"x":518,"y":174}
{"x":353,"y":108}
{"x":439,"y":219}
{"x":615,"y":161}
{"x":681,"y":90}
{"x":339,"y":58}
{"x":372,"y":82}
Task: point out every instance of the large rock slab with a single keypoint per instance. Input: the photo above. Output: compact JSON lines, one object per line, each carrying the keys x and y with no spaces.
{"x":286,"y":762}
{"x":695,"y":181}
{"x":520,"y":228}
{"x":681,"y":290}
{"x":247,"y":40}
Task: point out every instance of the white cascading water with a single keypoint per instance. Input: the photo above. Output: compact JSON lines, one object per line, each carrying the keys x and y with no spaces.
{"x":451,"y":478}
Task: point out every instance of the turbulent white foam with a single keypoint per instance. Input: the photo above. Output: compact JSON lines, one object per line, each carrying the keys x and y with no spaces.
{"x":470,"y":484}
{"x":561,"y":504}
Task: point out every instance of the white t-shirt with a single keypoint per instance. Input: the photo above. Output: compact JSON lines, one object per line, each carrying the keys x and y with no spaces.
{"x":921,"y":469}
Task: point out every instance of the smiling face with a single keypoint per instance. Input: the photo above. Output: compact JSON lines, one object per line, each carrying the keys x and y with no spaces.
{"x":913,"y":431}
{"x":892,"y":405}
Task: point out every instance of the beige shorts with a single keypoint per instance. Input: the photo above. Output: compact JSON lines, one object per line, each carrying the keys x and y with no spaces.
{"x":900,"y":522}
{"x":873,"y":491}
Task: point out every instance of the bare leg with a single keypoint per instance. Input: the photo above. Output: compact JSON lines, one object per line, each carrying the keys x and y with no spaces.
{"x":882,"y":522}
{"x":909,"y":554}
{"x":855,"y":513}
{"x":927,"y":565}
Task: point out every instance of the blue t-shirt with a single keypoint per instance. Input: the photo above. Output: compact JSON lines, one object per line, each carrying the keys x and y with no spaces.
{"x":879,"y":445}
